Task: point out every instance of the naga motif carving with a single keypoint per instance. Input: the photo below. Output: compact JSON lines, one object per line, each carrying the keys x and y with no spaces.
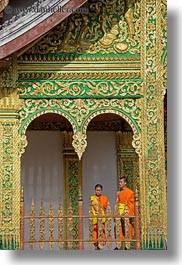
{"x":105,"y":28}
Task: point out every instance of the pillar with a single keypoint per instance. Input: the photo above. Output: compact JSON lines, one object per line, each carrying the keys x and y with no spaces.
{"x":127,"y":159}
{"x":73,"y":180}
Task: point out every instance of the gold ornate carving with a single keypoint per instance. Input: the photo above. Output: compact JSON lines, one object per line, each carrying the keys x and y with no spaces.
{"x":124,"y":139}
{"x":127,"y":227}
{"x":73,"y":182}
{"x":8,"y":72}
{"x":70,"y":228}
{"x":117,"y":228}
{"x":90,"y":227}
{"x":137,"y":143}
{"x":42,"y":225}
{"x":79,"y":143}
{"x":80,"y":112}
{"x":152,"y":168}
{"x":110,"y":37}
{"x":3,"y":4}
{"x":9,"y":100}
{"x":108,"y":226}
{"x":51,"y":226}
{"x":32,"y":224}
{"x":100,"y":229}
{"x":68,"y":147}
{"x":79,"y":75}
{"x":106,"y":29}
{"x":129,"y":16}
{"x":91,"y":88}
{"x":22,"y":144}
{"x":10,"y":180}
{"x":127,"y":159}
{"x":60,"y":226}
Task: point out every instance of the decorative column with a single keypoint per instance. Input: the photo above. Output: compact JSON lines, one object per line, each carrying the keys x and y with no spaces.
{"x":127,"y":159}
{"x":9,"y":156}
{"x":80,"y":224}
{"x":9,"y":170}
{"x":22,"y":224}
{"x":153,"y":175}
{"x":73,"y":181}
{"x":9,"y":184}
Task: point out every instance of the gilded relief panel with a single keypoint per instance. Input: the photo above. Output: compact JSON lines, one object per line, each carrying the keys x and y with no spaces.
{"x":10,"y":185}
{"x":94,"y":54}
{"x":152,"y":176}
{"x":103,"y":32}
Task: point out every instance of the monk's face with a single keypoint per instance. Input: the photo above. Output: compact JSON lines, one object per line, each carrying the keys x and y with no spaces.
{"x":98,"y":191}
{"x":122,"y":184}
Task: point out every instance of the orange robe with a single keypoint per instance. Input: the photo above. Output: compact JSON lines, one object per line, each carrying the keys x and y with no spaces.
{"x":103,"y":201}
{"x":127,"y":197}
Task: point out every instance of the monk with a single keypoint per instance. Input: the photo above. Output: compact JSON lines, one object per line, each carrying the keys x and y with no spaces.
{"x":124,"y":196}
{"x":96,"y":200}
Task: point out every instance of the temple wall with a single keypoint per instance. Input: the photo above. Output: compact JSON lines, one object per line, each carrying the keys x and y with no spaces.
{"x":108,"y":63}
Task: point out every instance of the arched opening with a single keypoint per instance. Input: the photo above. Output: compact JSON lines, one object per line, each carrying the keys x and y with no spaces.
{"x":42,"y":166}
{"x":51,"y":169}
{"x":108,"y":156}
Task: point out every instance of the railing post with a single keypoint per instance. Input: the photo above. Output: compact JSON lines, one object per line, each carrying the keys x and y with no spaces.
{"x":80,"y":220}
{"x":22,"y":221}
{"x":137,"y":221}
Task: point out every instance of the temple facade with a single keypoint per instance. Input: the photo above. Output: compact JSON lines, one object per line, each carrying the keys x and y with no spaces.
{"x":94,"y":74}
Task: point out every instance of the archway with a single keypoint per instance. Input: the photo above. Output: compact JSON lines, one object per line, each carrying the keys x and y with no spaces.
{"x":82,"y":115}
{"x":108,"y":156}
{"x":43,"y":175}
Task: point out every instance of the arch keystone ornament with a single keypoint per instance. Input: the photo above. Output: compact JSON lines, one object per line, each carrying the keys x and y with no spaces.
{"x":79,"y":143}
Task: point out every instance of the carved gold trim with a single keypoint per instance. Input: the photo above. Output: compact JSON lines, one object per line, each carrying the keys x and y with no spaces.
{"x":62,"y":75}
{"x":161,"y":9}
{"x":8,"y":72}
{"x":84,"y":89}
{"x":9,"y":100}
{"x":69,"y":66}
